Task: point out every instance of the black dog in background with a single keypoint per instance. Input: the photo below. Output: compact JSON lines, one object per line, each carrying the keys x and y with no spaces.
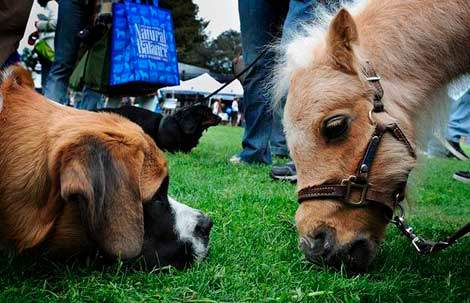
{"x":179,"y":131}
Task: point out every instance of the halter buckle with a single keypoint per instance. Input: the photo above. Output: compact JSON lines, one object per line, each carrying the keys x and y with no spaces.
{"x":352,"y":185}
{"x":373,"y":78}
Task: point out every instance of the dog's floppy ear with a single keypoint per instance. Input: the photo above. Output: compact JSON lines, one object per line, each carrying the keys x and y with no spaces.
{"x":78,"y":184}
{"x":154,"y":169}
{"x":107,"y":194}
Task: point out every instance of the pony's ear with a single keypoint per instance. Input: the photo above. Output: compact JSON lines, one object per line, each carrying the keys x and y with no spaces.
{"x":341,"y":35}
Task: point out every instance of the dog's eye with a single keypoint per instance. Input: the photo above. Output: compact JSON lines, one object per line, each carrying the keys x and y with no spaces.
{"x":335,"y":126}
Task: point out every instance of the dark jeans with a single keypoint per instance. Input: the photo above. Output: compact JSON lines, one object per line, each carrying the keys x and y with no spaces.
{"x":73,"y":17}
{"x":90,"y":100}
{"x":261,"y":22}
{"x":45,"y":69}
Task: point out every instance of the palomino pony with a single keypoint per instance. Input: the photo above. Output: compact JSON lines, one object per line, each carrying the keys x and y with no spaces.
{"x":334,"y":121}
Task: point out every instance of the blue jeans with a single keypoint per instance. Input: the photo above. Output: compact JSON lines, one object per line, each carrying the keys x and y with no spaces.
{"x":260,"y":22}
{"x":73,"y":17}
{"x":459,"y":118}
{"x":90,"y":100}
{"x":458,"y":124}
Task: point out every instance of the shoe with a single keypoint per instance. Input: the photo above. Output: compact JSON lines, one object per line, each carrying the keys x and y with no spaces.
{"x":286,"y":172}
{"x":236,"y":159}
{"x":455,"y":150}
{"x":462,"y":176}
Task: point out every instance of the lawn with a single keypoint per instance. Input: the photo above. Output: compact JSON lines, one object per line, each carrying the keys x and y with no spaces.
{"x":254,"y":255}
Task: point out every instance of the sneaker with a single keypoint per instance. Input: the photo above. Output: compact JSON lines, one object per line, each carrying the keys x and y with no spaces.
{"x":462,"y":176}
{"x":236,"y":159}
{"x":286,"y":172}
{"x":455,"y":150}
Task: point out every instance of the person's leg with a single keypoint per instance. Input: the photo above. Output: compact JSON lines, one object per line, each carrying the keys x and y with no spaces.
{"x":278,"y":138}
{"x":458,"y":125}
{"x":45,"y":69}
{"x":72,"y":18}
{"x":260,"y":22}
{"x":91,"y":99}
{"x":459,"y":119}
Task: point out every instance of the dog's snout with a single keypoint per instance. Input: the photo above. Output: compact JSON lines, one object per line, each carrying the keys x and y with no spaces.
{"x":204,"y":225}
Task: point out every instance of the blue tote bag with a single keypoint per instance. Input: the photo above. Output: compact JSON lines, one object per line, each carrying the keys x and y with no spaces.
{"x":143,"y":49}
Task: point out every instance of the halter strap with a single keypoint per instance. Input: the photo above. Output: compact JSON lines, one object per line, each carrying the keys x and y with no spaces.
{"x":374,"y":81}
{"x":360,"y":181}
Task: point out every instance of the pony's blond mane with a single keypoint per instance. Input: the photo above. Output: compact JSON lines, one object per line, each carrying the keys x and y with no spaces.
{"x":298,"y":52}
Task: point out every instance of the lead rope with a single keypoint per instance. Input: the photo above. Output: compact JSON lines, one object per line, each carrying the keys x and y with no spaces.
{"x":422,"y":245}
{"x":235,"y":77}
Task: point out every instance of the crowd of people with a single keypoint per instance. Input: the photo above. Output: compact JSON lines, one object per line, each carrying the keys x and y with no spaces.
{"x":60,"y":33}
{"x":227,"y":111}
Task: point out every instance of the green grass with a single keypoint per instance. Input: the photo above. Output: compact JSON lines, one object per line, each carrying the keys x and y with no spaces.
{"x":254,"y":255}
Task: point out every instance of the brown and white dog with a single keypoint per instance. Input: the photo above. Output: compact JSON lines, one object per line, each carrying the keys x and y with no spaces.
{"x":73,"y":182}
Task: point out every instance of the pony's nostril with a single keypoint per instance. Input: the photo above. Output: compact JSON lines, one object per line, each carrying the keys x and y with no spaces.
{"x":319,"y":245}
{"x":360,"y":249}
{"x":359,"y":255}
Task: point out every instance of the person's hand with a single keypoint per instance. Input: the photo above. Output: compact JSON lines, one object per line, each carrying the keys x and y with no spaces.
{"x":33,"y":37}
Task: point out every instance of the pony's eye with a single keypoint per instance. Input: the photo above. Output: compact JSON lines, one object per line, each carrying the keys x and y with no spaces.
{"x":335,"y":126}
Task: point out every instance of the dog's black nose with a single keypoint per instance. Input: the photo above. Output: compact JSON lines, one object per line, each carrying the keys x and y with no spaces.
{"x":204,"y":225}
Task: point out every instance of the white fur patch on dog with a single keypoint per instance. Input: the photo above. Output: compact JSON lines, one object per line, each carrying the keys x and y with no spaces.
{"x":1,"y":102}
{"x":186,"y":219}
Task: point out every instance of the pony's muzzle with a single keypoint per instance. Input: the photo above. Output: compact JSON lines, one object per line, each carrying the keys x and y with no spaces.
{"x":323,"y":248}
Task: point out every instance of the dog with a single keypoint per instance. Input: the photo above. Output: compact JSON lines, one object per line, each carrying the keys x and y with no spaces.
{"x":179,"y":131}
{"x":74,"y":182}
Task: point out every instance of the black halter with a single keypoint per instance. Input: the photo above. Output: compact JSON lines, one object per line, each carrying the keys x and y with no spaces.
{"x":359,"y":183}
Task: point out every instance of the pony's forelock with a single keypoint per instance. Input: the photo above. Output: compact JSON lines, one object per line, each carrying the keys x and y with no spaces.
{"x":299,"y":51}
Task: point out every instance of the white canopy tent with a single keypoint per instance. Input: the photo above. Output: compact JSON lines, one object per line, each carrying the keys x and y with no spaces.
{"x":204,"y":84}
{"x":234,"y":89}
{"x":182,"y":95}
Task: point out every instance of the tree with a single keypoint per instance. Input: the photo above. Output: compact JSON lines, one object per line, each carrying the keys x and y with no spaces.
{"x":192,"y":43}
{"x":189,"y":31}
{"x":223,"y":50}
